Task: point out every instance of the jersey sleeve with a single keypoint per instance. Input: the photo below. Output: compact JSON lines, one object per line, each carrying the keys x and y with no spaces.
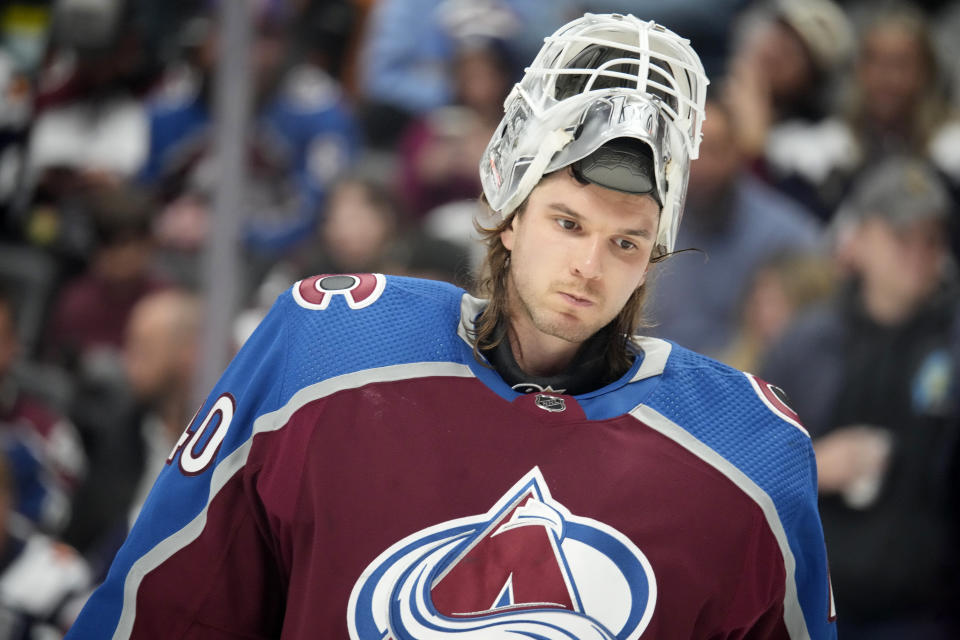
{"x":198,"y":562}
{"x":795,"y":498}
{"x":743,"y":427}
{"x":812,"y":574}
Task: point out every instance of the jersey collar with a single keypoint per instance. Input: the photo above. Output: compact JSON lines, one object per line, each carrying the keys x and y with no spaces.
{"x":652,"y":353}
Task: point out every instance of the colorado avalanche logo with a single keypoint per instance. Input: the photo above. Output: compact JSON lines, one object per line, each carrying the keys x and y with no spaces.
{"x":528,"y":568}
{"x":359,"y":289}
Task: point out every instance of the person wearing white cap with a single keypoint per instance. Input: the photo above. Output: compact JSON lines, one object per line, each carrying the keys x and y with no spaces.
{"x":782,"y":68}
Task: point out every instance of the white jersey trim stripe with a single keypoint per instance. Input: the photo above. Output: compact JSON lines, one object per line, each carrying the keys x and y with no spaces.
{"x":792,"y":612}
{"x":470,"y":308}
{"x":231,"y":464}
{"x":655,"y":355}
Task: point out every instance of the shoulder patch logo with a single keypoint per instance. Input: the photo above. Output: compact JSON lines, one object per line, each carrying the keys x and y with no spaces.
{"x":776,"y":400}
{"x":358,"y":289}
{"x":526,"y":568}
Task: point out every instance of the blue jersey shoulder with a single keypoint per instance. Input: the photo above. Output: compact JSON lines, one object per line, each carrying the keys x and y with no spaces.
{"x":747,"y":422}
{"x":340,"y":324}
{"x":742,"y":418}
{"x":321,"y":328}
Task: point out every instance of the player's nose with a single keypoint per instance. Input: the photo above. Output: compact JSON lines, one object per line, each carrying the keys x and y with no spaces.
{"x":586,"y":261}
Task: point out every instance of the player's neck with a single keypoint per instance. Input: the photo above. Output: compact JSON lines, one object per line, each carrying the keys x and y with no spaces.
{"x":539,"y":354}
{"x":589,"y":370}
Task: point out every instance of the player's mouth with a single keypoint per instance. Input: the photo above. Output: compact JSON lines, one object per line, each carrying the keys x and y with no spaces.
{"x":575,"y":300}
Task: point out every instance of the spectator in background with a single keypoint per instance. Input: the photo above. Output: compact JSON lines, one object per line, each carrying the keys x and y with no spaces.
{"x":358,"y":230}
{"x":897,"y":106}
{"x":43,"y":583}
{"x":870,"y":373}
{"x":738,"y":222}
{"x":89,"y":126}
{"x":781,"y":287}
{"x":439,"y":155}
{"x":782,"y":70}
{"x":89,"y":117}
{"x":408,"y":45}
{"x":303,"y":136}
{"x":90,"y":315}
{"x":160,"y":357}
{"x":44,"y":448}
{"x":364,"y":230}
{"x":422,"y":255}
{"x":325,"y":34}
{"x":360,"y":223}
{"x":440,"y":151}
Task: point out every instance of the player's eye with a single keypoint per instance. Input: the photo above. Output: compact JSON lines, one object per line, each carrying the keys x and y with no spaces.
{"x":624,"y":244}
{"x":567,"y":224}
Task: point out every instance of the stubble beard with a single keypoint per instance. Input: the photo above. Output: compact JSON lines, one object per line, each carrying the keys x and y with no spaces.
{"x":547,"y":321}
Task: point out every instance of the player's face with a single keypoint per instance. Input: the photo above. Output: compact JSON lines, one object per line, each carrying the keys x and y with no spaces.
{"x":578,"y":252}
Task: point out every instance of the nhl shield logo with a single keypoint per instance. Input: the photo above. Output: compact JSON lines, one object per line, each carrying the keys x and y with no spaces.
{"x":553,"y":404}
{"x":528,"y":568}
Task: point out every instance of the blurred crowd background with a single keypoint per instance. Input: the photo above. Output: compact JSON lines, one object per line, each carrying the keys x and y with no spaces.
{"x":818,"y":247}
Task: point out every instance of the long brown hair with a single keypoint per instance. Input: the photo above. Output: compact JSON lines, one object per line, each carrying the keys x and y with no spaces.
{"x":492,"y":285}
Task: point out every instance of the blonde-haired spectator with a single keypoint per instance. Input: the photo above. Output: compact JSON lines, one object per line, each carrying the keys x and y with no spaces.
{"x":780,"y":288}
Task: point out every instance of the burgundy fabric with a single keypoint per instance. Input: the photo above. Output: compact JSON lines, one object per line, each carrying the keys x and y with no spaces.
{"x":352,"y":474}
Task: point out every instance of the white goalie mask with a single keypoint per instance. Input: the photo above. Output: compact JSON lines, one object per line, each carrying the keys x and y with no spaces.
{"x":602,"y":78}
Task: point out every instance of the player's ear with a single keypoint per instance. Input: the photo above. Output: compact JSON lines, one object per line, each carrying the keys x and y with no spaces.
{"x":507,"y":235}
